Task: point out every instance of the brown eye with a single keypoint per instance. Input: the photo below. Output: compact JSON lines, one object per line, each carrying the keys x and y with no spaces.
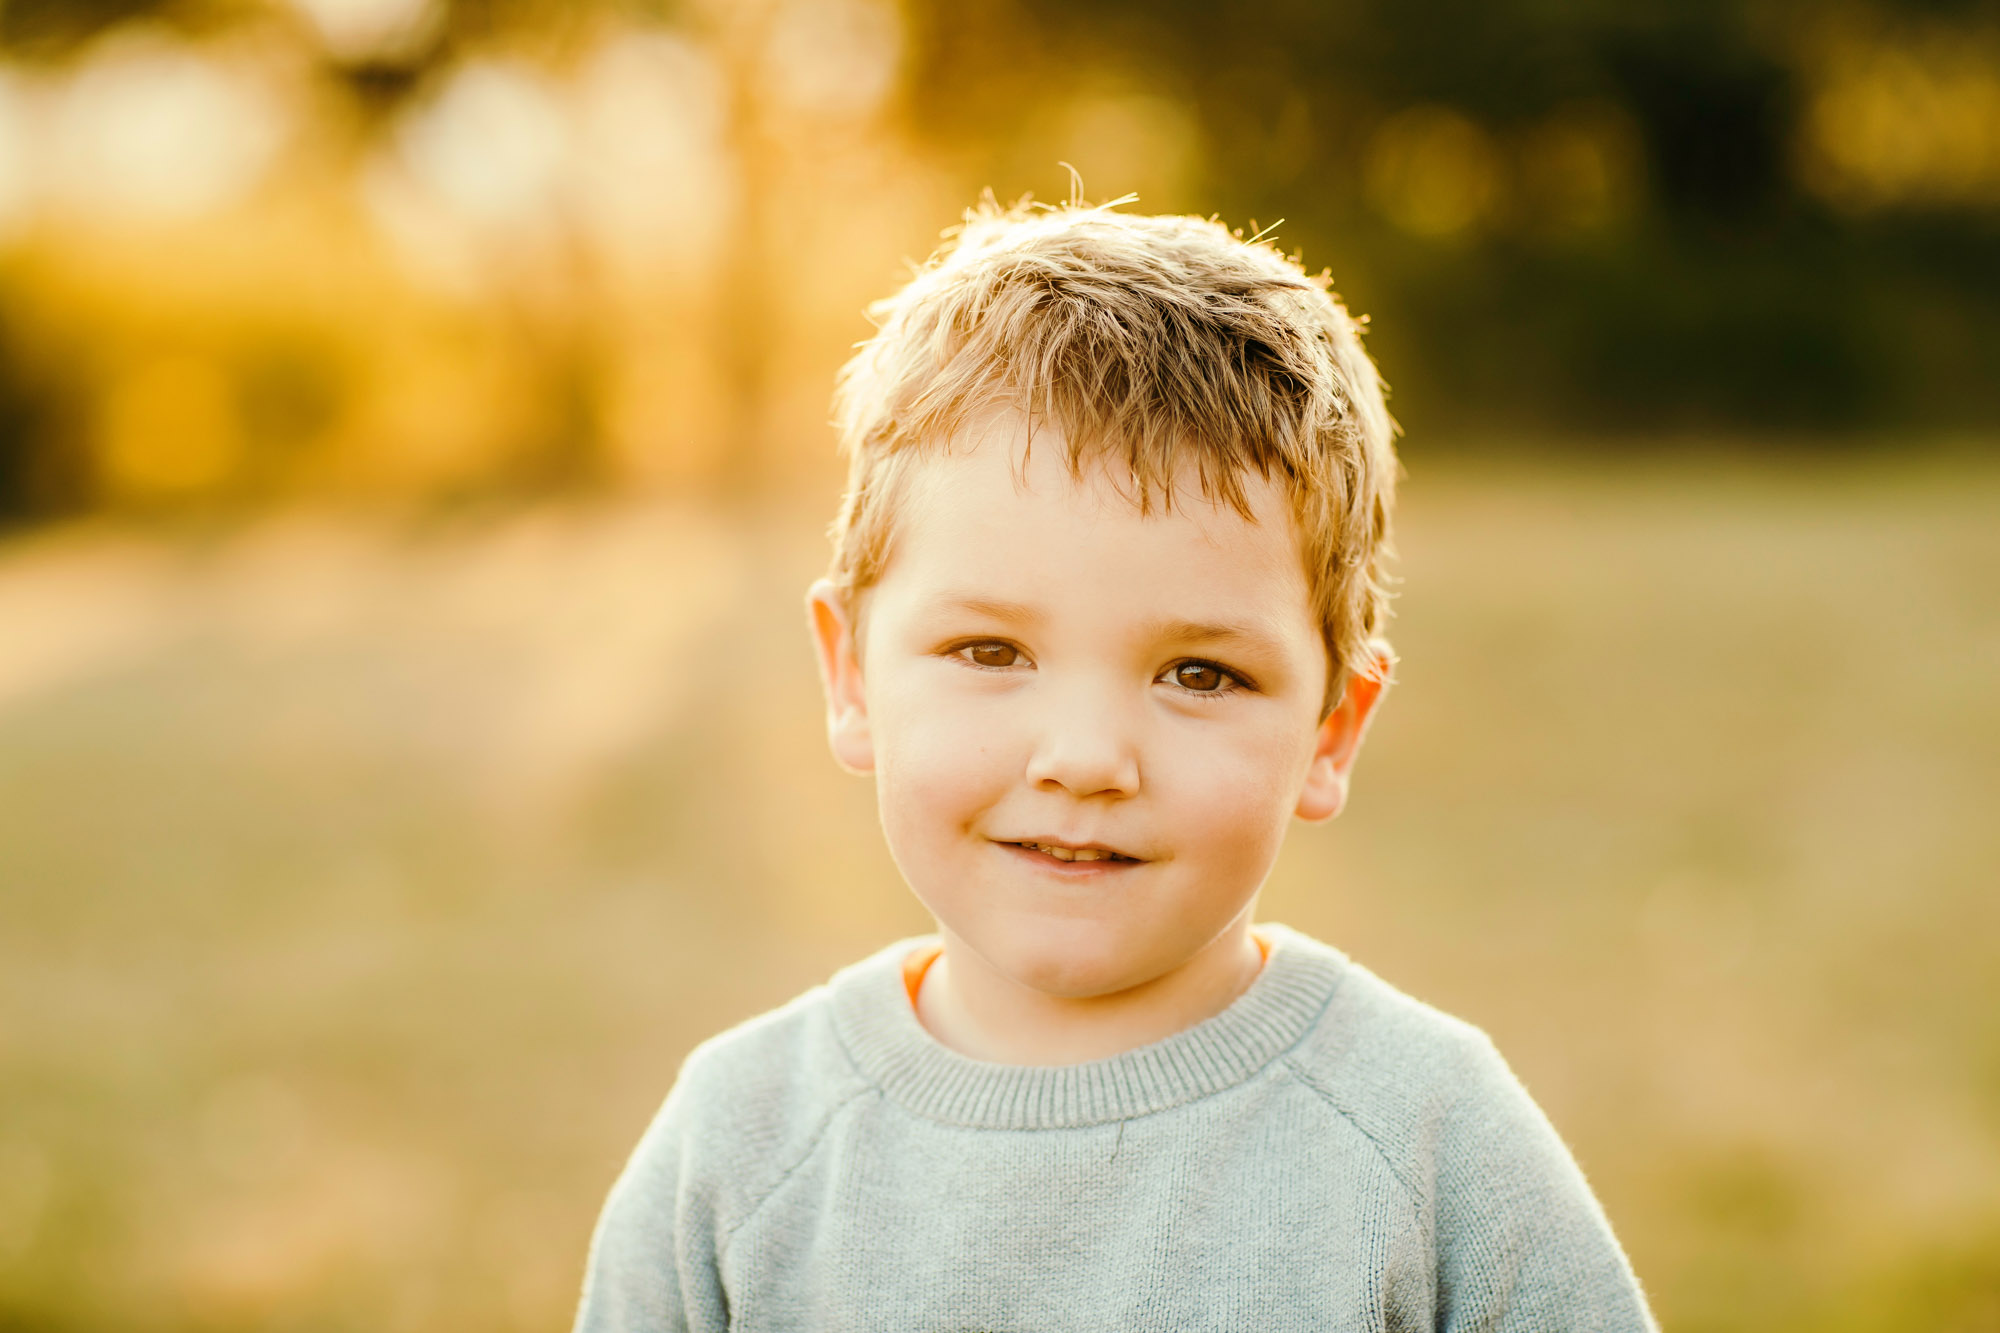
{"x":1199,"y":676}
{"x":994,"y":654}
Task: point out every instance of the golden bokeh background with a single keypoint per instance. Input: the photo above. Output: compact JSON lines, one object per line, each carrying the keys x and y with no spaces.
{"x":413,"y":454}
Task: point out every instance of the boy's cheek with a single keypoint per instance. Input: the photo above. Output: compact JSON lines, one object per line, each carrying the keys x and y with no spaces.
{"x":1231,"y":803}
{"x":1248,"y":769}
{"x":1231,"y":836}
{"x":935,"y":777}
{"x":923,"y":728}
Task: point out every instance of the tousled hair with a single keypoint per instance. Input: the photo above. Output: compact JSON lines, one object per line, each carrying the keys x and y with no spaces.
{"x":1170,"y":345}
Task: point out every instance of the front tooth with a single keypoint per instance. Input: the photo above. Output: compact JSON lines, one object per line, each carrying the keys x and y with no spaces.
{"x":1069,"y":854}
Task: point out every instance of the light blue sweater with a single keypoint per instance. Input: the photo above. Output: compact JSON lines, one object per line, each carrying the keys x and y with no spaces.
{"x":1326,"y":1153}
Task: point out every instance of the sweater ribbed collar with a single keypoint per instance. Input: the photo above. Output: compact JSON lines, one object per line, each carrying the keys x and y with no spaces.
{"x":872,"y":1013}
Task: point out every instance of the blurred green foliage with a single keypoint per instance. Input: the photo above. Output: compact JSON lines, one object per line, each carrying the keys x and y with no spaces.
{"x":1723,"y":291}
{"x":657,"y":224}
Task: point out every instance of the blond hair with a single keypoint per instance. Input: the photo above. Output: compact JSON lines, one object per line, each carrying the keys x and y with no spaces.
{"x":1161,"y":343}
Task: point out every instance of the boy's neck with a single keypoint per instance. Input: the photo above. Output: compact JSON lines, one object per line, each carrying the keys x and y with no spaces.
{"x":980,"y":1013}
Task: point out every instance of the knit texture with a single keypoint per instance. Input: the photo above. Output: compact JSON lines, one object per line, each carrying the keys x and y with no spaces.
{"x":1326,"y":1153}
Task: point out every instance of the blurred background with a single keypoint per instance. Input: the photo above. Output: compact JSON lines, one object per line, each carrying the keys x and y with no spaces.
{"x":413,"y":453}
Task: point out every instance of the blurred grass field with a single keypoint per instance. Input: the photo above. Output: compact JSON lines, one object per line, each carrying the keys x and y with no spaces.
{"x":363,"y":882}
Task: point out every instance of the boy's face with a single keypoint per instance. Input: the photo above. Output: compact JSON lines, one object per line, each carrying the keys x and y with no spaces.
{"x":1045,"y":675}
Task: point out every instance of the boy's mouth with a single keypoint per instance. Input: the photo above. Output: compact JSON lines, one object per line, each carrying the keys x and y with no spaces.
{"x":1064,"y":853}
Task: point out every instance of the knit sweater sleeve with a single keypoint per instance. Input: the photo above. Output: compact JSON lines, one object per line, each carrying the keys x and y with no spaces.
{"x":652,"y":1266}
{"x":1521,"y":1242}
{"x":748,"y":1107}
{"x":1517,"y":1242}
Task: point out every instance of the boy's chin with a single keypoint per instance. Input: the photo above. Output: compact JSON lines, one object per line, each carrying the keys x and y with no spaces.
{"x":1069,"y":963}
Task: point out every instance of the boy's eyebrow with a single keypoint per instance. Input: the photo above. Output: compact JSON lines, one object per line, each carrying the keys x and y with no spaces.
{"x":1172,"y":630}
{"x":1199,"y":631}
{"x":992,"y":607}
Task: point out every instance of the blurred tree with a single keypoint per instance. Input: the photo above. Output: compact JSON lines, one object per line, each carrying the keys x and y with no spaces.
{"x":44,"y":27}
{"x":1602,"y":219}
{"x":1443,"y":156}
{"x":35,"y":477}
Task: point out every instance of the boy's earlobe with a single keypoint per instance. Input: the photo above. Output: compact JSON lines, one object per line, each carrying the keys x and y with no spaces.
{"x":1339,"y":742}
{"x":840,"y":675}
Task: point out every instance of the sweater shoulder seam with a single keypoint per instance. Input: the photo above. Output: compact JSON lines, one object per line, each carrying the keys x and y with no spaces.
{"x":1325,"y":1094}
{"x":805,"y":1155}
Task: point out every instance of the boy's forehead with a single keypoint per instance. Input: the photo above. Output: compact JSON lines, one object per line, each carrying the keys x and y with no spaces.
{"x":1001,"y":458}
{"x":1004,"y":508}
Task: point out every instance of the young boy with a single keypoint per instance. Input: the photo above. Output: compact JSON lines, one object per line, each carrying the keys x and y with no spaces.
{"x":1105,"y":613}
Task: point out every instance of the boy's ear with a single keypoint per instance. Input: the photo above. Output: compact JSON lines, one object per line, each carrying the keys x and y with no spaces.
{"x":840,"y":673}
{"x":1339,"y":741}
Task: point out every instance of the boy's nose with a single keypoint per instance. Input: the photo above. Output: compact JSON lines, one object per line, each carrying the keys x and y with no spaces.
{"x":1086,"y":748}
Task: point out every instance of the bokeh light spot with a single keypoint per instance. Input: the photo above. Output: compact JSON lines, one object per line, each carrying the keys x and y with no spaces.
{"x":1432,"y":171}
{"x":169,"y":429}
